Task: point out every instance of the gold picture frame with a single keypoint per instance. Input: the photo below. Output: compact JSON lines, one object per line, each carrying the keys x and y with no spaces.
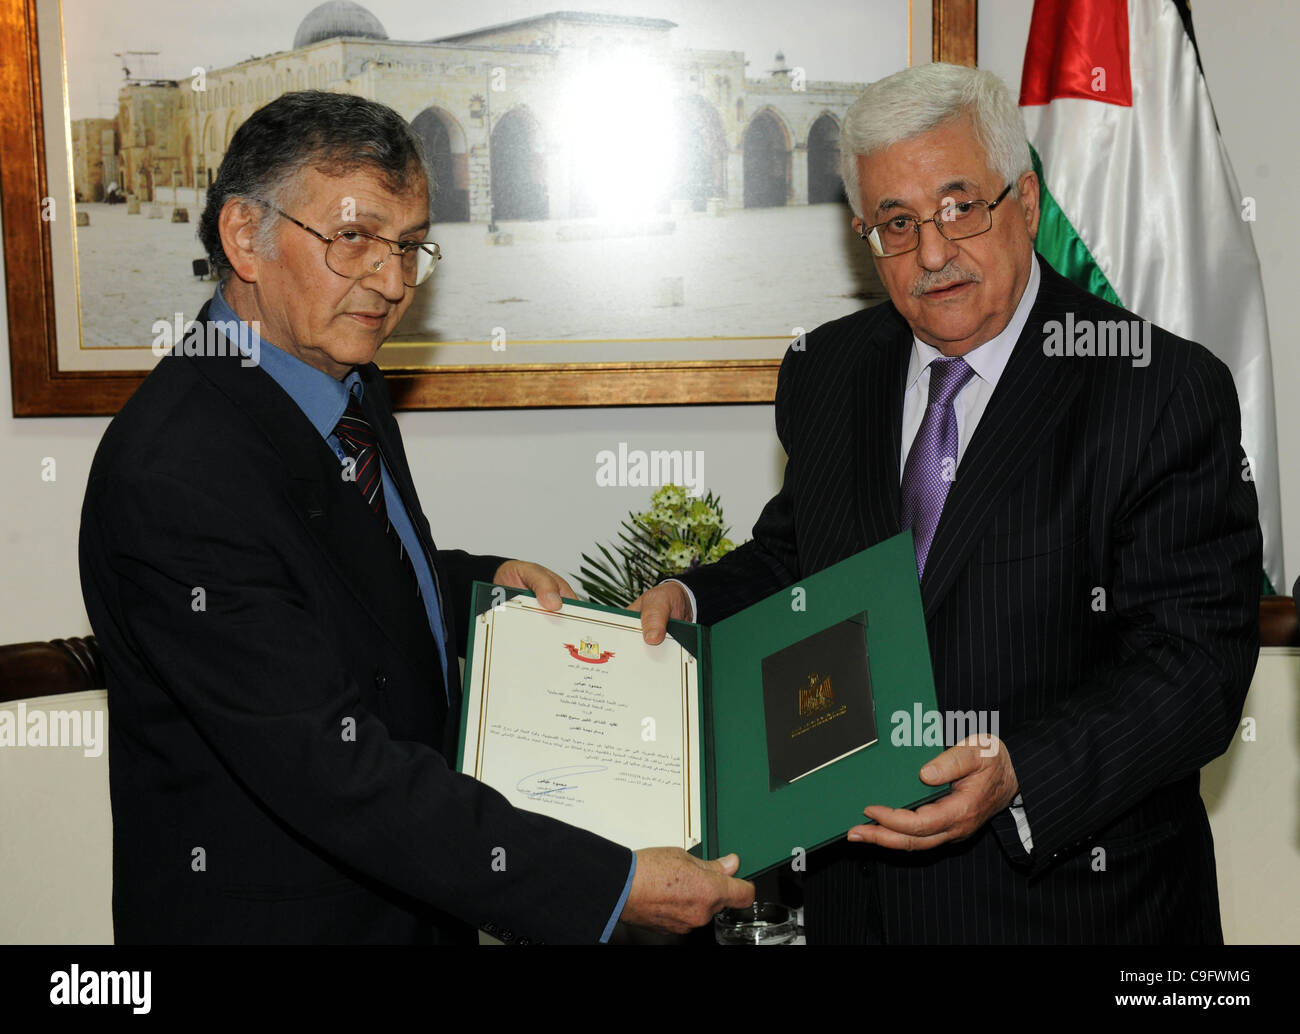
{"x":42,"y":388}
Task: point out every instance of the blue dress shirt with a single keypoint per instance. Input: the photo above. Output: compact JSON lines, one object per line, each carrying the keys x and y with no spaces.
{"x":323,"y":399}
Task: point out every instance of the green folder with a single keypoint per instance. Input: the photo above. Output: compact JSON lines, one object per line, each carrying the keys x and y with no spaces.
{"x":743,"y":811}
{"x":765,"y":826}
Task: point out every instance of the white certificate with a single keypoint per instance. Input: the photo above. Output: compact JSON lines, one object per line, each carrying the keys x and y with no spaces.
{"x":570,"y":714}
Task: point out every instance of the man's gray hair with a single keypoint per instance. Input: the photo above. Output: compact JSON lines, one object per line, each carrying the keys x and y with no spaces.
{"x":336,"y":133}
{"x":916,"y":100}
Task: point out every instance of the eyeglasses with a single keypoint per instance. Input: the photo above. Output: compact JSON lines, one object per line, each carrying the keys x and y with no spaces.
{"x":356,"y":254}
{"x":955,"y":221}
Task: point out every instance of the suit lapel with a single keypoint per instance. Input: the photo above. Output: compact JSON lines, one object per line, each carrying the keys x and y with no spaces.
{"x":879,"y":427}
{"x":331,"y":509}
{"x":1031,"y":397}
{"x":378,"y":410}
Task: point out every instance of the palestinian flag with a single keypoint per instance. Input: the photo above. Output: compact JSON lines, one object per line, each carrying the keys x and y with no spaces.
{"x":1140,"y":204}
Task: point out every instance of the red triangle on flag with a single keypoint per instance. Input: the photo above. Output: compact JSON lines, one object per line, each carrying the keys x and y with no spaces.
{"x":1077,"y":48}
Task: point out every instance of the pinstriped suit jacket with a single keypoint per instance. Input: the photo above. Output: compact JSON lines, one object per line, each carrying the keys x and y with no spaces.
{"x":1084,"y":474}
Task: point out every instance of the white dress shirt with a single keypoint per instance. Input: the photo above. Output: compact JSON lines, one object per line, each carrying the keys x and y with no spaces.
{"x":988,"y":361}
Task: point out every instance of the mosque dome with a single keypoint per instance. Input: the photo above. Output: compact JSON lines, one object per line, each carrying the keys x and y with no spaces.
{"x":337,"y":18}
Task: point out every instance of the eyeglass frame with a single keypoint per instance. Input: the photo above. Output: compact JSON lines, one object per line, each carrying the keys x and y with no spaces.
{"x":401,"y":246}
{"x":865,"y":232}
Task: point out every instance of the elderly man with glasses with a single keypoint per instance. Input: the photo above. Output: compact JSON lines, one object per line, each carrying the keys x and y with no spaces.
{"x":280,"y":632}
{"x":1087,"y":545}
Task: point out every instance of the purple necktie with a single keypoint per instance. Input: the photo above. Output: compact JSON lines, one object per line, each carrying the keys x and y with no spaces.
{"x":932,"y":462}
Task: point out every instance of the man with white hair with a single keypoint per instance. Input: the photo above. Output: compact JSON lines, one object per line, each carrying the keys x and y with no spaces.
{"x":1087,"y":546}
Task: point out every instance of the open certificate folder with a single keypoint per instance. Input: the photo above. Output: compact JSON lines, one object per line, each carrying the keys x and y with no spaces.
{"x":570,"y":714}
{"x":765,"y":734}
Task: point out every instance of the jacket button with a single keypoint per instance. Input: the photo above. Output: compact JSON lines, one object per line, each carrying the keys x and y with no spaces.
{"x":381,"y":680}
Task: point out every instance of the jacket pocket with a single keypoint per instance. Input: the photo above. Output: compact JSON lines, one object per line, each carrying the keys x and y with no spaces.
{"x":1009,"y":547}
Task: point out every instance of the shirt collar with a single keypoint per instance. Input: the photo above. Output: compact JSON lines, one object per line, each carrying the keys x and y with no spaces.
{"x":321,"y":398}
{"x":989,"y":359}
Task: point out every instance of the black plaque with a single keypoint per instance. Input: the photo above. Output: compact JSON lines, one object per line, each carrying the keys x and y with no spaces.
{"x":817,"y":701}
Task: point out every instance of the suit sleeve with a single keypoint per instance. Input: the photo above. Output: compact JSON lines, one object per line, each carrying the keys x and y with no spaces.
{"x":270,"y":692}
{"x":461,"y":571}
{"x":769,"y":561}
{"x":1183,"y":595}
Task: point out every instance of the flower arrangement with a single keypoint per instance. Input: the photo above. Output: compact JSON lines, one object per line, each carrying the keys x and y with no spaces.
{"x":676,"y":534}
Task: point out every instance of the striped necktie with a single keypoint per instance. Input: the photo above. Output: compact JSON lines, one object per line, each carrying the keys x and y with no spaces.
{"x":358,"y":440}
{"x":931,"y":465}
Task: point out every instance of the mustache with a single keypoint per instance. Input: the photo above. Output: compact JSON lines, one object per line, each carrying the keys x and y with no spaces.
{"x":945,"y":277}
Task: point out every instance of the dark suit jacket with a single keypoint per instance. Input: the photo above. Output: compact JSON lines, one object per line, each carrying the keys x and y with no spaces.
{"x":280,"y":728}
{"x":1094,"y":579}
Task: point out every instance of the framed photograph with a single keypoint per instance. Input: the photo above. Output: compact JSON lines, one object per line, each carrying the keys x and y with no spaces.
{"x":637,"y":204}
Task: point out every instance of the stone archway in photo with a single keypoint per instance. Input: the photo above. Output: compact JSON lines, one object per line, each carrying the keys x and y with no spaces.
{"x":701,"y":171}
{"x":518,"y":168}
{"x":767,"y":161}
{"x":444,"y":146}
{"x":824,"y":183}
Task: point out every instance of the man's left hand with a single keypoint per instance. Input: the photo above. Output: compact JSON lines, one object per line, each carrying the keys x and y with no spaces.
{"x":983,"y":783}
{"x":544,"y":583}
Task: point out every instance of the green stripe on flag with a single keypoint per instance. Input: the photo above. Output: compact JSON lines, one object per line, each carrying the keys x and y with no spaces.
{"x":1060,"y":244}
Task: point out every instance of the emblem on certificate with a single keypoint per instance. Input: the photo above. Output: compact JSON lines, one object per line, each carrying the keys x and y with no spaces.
{"x":588,"y":650}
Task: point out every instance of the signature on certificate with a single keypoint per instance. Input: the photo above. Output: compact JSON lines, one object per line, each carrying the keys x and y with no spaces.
{"x":554,"y":780}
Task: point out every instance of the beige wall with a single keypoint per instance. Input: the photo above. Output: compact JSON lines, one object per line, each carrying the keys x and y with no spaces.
{"x":1253,"y":796}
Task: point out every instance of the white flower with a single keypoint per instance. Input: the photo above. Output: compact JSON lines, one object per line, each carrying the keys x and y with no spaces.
{"x":679,"y":557}
{"x":670,"y":497}
{"x":702,"y":515}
